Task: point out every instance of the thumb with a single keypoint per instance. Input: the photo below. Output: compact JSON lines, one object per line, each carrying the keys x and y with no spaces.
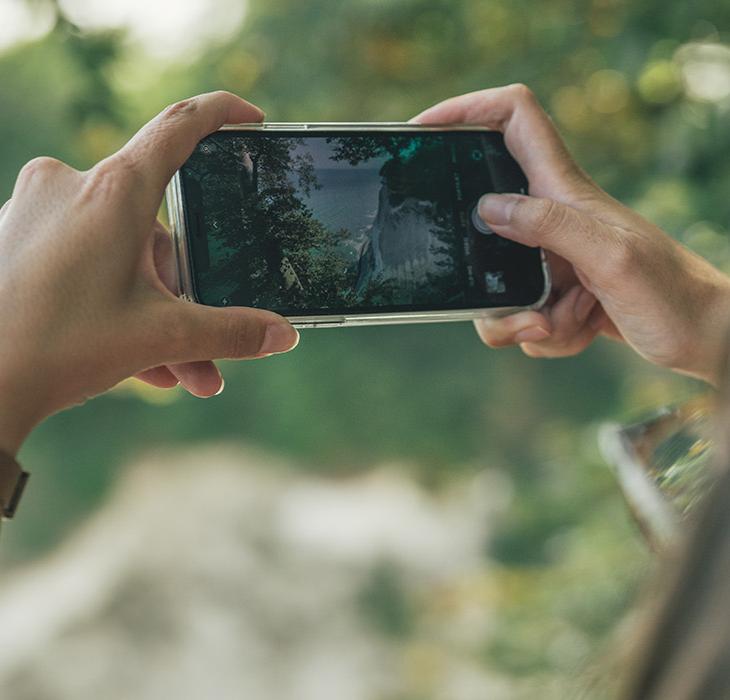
{"x":584,"y":241}
{"x":200,"y":332}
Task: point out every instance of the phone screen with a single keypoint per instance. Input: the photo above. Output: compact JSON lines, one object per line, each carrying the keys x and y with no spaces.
{"x":348,"y":222}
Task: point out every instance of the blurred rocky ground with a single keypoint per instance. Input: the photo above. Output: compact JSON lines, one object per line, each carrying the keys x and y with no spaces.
{"x":220,"y":573}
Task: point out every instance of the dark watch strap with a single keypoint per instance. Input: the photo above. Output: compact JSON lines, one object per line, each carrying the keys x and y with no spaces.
{"x":12,"y":483}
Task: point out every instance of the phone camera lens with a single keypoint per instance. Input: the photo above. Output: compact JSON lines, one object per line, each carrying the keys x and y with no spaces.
{"x":478,"y":223}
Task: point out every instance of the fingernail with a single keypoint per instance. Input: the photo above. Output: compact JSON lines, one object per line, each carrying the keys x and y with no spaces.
{"x":280,"y":337}
{"x":223,"y":386}
{"x":532,"y":335}
{"x":497,"y":208}
{"x":583,"y":305}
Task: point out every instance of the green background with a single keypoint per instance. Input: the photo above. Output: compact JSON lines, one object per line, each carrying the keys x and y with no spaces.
{"x":432,"y":396}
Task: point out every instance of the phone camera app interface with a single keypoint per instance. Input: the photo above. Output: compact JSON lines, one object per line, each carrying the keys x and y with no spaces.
{"x":350,"y":221}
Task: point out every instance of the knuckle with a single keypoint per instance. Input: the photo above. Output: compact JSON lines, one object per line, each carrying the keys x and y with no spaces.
{"x":40,"y":168}
{"x":180,"y":108}
{"x":111,"y":178}
{"x":222,"y":95}
{"x":123,"y":167}
{"x":522,"y":93}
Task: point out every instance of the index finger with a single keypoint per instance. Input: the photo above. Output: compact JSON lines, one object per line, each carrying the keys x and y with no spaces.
{"x":166,"y":142}
{"x":528,"y":131}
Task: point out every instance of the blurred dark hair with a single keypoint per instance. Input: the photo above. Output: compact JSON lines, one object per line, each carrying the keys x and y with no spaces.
{"x":686,"y":653}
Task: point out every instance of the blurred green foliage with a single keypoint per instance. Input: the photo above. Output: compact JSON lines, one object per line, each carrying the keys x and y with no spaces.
{"x":432,"y":397}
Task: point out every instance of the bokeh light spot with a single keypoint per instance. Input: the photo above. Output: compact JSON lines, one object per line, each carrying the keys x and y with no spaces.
{"x":705,"y":69}
{"x":660,"y":82}
{"x":607,"y":91}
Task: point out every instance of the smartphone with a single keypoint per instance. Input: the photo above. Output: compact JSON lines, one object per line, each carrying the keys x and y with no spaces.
{"x":344,"y":224}
{"x":664,"y":465}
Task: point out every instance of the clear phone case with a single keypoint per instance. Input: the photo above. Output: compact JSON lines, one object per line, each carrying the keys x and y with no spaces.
{"x":186,"y":289}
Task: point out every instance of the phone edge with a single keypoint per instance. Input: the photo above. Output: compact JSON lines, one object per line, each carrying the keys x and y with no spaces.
{"x":186,"y":288}
{"x":351,"y":126}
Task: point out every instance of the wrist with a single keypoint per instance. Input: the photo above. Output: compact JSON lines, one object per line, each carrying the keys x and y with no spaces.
{"x":12,"y":433}
{"x":18,"y":417}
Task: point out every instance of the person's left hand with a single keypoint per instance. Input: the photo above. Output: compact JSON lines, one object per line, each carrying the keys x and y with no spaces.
{"x":86,"y":279}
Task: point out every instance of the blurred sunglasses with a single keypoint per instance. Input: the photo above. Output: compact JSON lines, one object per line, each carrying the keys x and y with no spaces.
{"x":663,"y":465}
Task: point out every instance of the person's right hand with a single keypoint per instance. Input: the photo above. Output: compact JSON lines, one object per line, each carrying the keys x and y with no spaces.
{"x":614,"y":273}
